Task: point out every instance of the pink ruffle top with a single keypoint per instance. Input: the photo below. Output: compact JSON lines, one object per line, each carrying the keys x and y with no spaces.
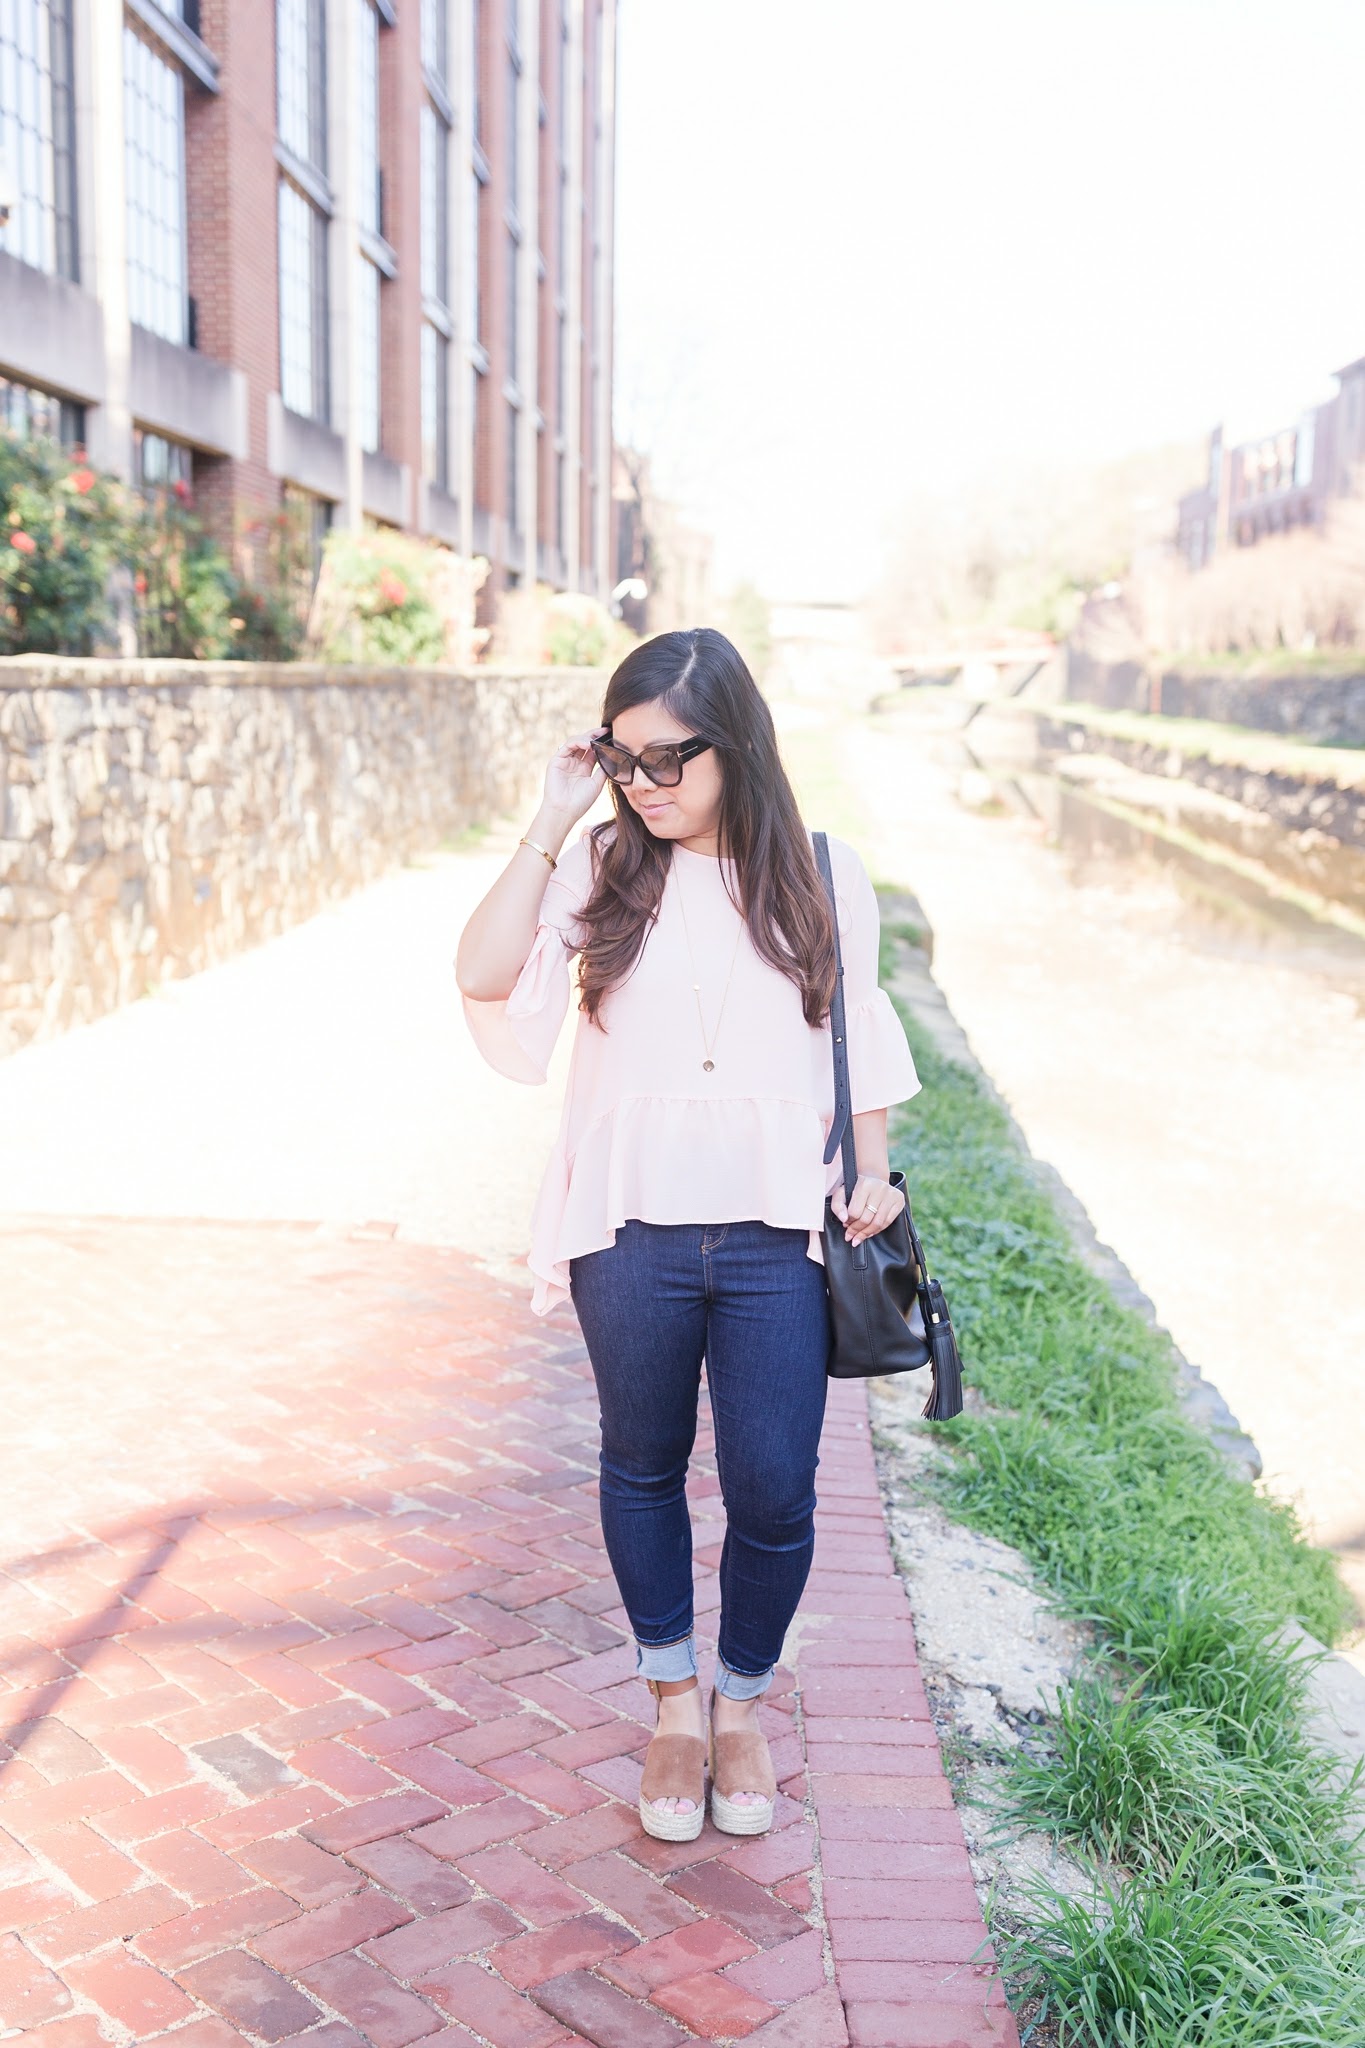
{"x":646,"y":1131}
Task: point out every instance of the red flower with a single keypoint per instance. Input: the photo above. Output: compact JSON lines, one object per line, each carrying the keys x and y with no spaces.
{"x":392,"y":589}
{"x":140,"y":584}
{"x":25,"y":542}
{"x":182,"y":490}
{"x":82,"y":480}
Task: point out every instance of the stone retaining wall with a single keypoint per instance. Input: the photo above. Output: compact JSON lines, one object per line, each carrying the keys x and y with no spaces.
{"x":1323,"y":709}
{"x":1295,"y":802}
{"x":158,"y":816}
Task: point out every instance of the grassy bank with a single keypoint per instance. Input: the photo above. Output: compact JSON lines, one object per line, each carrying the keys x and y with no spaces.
{"x":1179,"y":1762}
{"x":1265,"y":753}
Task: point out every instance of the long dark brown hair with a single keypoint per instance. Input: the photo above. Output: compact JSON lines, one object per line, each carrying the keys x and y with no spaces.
{"x":703,"y":682}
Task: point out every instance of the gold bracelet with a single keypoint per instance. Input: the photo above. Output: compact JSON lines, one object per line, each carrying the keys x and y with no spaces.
{"x":540,"y":850}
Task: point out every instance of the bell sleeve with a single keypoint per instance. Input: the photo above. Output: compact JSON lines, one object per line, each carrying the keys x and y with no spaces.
{"x":517,"y":1033}
{"x":881,"y":1067}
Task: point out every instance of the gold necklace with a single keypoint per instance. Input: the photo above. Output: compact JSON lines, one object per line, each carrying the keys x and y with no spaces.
{"x":708,"y":1045}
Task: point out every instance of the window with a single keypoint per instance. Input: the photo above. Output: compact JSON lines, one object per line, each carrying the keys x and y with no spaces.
{"x":367,"y":343}
{"x":476,"y":14}
{"x":37,"y":133}
{"x":483,"y":433}
{"x":27,"y":412}
{"x":154,"y":170}
{"x":513,"y":304}
{"x":513,"y":464}
{"x":370,"y":206}
{"x":301,"y":78}
{"x":562,"y":230}
{"x":434,"y":39}
{"x":303,"y":305}
{"x":435,"y":407}
{"x":371,"y":212}
{"x":435,"y":227}
{"x":435,"y":212}
{"x":301,"y":112}
{"x":161,"y":464}
{"x":475,"y":297}
{"x":309,"y":518}
{"x":513,"y":122}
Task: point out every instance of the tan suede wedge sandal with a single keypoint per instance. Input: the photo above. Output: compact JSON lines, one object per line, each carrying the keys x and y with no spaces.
{"x":740,"y":1762}
{"x":675,"y":1768}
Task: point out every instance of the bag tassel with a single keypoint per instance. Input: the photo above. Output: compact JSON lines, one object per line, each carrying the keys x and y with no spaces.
{"x":945,"y":1400}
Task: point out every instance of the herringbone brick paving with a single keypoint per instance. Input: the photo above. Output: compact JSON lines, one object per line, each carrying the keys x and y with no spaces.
{"x":320,"y":1718}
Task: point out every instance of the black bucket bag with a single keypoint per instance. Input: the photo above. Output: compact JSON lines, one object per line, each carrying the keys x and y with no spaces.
{"x":888,"y":1315}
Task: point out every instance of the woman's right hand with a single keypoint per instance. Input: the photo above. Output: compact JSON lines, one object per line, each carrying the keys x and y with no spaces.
{"x":573,"y":778}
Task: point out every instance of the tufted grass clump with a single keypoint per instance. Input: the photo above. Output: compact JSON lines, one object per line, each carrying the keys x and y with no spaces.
{"x":1228,"y":1909}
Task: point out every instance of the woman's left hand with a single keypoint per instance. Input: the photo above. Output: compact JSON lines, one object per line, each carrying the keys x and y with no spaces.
{"x":874,"y":1205}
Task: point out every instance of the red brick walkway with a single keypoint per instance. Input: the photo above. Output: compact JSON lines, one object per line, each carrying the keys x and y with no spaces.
{"x":320,"y":1725}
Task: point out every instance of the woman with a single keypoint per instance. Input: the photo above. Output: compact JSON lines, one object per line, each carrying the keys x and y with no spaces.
{"x":682,"y":1207}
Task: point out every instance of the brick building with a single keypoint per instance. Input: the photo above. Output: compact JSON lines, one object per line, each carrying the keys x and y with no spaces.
{"x":1280,"y":480}
{"x":352,"y":254}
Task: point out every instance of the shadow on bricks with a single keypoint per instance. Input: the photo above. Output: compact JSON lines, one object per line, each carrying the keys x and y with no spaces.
{"x":320,"y":1718}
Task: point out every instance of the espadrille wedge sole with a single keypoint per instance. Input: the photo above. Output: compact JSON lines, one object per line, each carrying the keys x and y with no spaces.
{"x":740,"y":1762}
{"x":675,"y":1768}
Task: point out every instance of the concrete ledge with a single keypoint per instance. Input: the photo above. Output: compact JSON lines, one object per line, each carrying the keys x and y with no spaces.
{"x":192,"y":398}
{"x":439,"y":514}
{"x":304,"y":451}
{"x":100,"y":672}
{"x":51,"y":332}
{"x":386,"y":489}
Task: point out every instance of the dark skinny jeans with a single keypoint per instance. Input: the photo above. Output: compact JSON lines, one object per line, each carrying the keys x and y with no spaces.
{"x":747,"y":1299}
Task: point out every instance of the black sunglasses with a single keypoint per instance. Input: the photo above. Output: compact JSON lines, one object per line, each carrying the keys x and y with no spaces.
{"x":663,"y":764}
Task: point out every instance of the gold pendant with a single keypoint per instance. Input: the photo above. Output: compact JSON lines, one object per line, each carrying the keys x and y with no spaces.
{"x":707,"y":1066}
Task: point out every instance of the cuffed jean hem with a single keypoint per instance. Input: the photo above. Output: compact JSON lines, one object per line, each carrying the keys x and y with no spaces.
{"x":666,"y":1661}
{"x":740,"y":1685}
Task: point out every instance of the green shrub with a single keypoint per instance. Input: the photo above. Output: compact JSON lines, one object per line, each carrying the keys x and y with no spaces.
{"x":185,"y":587}
{"x":376,"y":600}
{"x":62,"y":533}
{"x":579,"y":631}
{"x":65,"y":528}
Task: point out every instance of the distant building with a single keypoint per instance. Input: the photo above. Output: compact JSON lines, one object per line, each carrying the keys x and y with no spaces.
{"x":1283,"y":480}
{"x":355,"y":254}
{"x":656,"y":544}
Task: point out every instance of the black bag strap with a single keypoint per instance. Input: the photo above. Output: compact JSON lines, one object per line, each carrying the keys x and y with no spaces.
{"x":841,"y":1130}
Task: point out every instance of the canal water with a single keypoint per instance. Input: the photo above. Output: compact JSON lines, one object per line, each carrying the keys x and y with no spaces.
{"x":1171,"y":996}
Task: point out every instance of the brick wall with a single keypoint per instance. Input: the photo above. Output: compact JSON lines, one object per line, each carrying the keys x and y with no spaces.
{"x":231,"y":206}
{"x":156,"y":817}
{"x":588,"y":281}
{"x":400,"y":297}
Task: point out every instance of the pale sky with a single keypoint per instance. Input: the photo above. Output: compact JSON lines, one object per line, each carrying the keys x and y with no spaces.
{"x":869,"y":249}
